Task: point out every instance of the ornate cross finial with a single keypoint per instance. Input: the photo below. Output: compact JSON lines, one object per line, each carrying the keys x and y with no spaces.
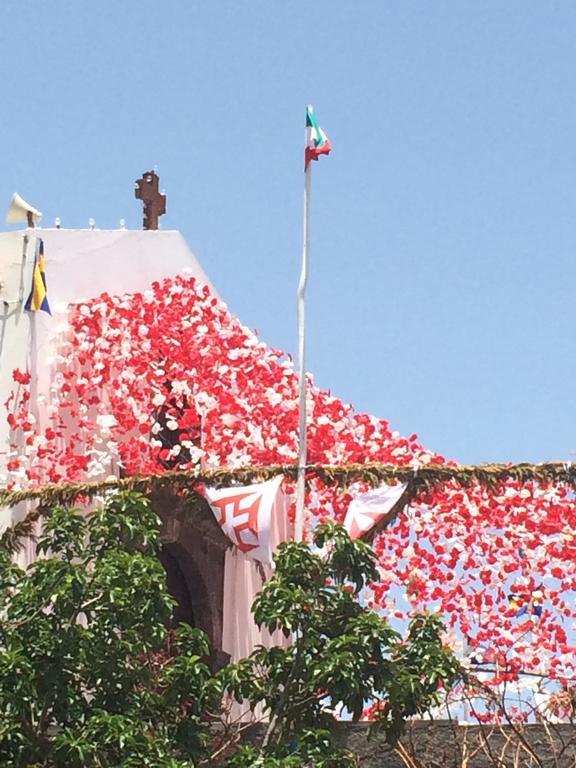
{"x":154,"y":201}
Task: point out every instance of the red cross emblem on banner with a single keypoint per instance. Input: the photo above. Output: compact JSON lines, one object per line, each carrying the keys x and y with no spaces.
{"x":238,"y":516}
{"x":245,"y":515}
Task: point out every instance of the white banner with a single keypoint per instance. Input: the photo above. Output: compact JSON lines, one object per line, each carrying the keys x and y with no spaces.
{"x":368,"y":509}
{"x":245,"y":512}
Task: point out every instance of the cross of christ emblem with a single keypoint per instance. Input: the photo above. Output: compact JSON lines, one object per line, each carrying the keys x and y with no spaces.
{"x":238,"y":515}
{"x":154,"y":201}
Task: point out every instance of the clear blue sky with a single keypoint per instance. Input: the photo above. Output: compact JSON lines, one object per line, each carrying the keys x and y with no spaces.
{"x":444,"y":223}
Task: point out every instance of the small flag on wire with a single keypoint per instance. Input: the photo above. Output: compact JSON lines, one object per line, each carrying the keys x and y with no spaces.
{"x":369,"y":509}
{"x":245,"y":515}
{"x":317,"y":143}
{"x":528,"y":603}
{"x":38,"y":299}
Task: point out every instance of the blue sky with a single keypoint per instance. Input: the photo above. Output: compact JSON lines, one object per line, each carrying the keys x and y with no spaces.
{"x":441,"y":294}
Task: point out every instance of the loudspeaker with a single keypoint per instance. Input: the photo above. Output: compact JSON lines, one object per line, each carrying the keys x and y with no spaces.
{"x":20,"y":210}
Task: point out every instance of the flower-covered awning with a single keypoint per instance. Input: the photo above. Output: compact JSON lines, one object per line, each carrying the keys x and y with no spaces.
{"x":168,"y":380}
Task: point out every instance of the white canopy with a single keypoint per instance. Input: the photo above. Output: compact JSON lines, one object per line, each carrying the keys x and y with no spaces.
{"x":80,"y":264}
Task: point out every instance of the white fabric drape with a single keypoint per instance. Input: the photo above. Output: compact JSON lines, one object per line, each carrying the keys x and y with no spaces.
{"x":243,"y":579}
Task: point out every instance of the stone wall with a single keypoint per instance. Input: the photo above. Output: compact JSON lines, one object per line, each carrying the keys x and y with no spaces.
{"x":442,"y":744}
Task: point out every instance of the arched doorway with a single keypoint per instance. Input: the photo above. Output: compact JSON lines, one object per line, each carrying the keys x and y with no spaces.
{"x":193,"y":548}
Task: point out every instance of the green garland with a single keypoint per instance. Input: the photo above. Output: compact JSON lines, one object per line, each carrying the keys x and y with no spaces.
{"x":426,"y":476}
{"x":422,"y":478}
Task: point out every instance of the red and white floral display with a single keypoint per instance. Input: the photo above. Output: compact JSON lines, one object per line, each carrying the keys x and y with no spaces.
{"x":169,"y":377}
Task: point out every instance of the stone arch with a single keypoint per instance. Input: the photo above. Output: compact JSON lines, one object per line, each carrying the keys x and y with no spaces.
{"x":193,"y":549}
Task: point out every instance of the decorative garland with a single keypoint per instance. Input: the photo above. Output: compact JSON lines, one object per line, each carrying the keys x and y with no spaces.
{"x":419,"y":479}
{"x":425,"y":477}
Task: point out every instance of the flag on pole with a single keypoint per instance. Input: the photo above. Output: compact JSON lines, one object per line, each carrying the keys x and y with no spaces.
{"x":38,"y":299}
{"x":245,"y":514}
{"x":368,"y":509}
{"x":317,"y":143}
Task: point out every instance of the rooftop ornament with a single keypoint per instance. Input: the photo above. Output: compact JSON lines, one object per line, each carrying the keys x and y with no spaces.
{"x":153,"y":200}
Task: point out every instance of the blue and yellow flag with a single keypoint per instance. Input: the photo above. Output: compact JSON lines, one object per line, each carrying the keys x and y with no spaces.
{"x":38,"y":298}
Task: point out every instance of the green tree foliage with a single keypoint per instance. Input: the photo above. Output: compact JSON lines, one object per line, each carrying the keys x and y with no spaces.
{"x":343,"y":655}
{"x":89,"y":673}
{"x":91,"y":676}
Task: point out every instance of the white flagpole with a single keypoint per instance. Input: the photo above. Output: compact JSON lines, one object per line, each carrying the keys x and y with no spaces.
{"x":301,"y":480}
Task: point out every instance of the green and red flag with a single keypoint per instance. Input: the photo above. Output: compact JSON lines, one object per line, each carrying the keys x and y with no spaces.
{"x":317,"y":142}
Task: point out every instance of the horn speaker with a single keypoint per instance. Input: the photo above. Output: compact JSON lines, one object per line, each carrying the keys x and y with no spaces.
{"x":20,"y":210}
